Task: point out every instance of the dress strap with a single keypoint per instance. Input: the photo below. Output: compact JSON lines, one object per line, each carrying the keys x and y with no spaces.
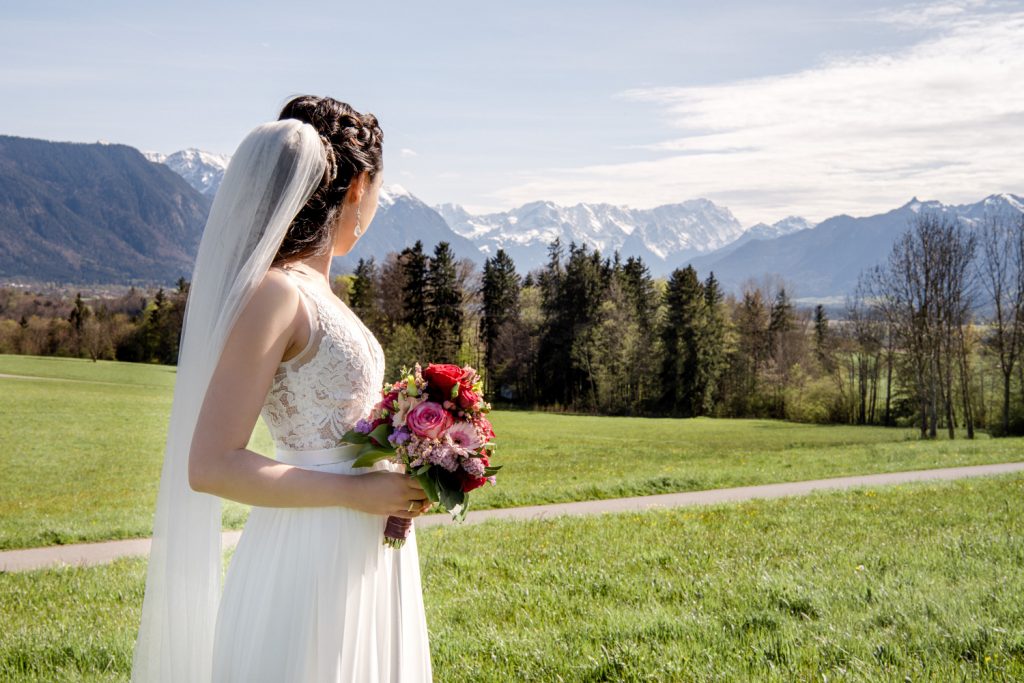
{"x":312,"y":314}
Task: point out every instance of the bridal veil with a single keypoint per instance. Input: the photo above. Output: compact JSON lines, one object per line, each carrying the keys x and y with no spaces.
{"x":272,"y":174}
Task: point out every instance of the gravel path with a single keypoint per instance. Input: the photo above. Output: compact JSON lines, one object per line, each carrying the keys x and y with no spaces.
{"x":85,"y":554}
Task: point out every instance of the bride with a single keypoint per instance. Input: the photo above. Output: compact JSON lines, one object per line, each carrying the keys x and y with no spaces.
{"x":311,"y":593}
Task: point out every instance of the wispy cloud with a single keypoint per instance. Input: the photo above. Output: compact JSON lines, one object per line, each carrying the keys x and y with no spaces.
{"x":939,"y":119}
{"x":406,"y":152}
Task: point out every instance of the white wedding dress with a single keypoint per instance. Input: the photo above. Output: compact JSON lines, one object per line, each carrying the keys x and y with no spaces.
{"x":312,"y":594}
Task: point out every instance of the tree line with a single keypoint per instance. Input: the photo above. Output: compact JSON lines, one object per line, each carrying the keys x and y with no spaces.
{"x":134,"y":327}
{"x":931,"y":337}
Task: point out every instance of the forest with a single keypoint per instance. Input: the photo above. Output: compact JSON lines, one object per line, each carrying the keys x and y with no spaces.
{"x":932,"y":337}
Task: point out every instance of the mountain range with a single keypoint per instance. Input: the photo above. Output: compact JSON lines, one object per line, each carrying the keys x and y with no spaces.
{"x":824,"y":261}
{"x":108,"y":212}
{"x":76,"y":212}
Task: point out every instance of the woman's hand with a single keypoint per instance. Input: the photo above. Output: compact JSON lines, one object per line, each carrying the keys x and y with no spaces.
{"x":387,"y":493}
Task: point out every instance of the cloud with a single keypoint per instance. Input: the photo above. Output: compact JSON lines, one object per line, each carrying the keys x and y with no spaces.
{"x":406,"y":152}
{"x":939,"y":119}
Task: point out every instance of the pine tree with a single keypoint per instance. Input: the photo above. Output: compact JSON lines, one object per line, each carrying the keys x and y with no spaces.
{"x":781,"y":314}
{"x":78,"y":318}
{"x":79,"y":314}
{"x":414,"y":288}
{"x":584,"y":287}
{"x":782,"y":323}
{"x":363,"y":297}
{"x":713,"y":361}
{"x":444,"y":305}
{"x":553,"y":360}
{"x":500,"y":292}
{"x":637,"y":285}
{"x":821,"y":335}
{"x":684,"y":302}
{"x":751,"y":352}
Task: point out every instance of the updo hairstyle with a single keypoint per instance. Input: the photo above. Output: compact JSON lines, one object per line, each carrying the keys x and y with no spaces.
{"x":353,"y":145}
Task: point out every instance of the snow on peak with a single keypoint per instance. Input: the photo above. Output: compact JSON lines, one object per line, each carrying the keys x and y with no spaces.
{"x":389,"y":194}
{"x":693,"y":226}
{"x":202,"y":170}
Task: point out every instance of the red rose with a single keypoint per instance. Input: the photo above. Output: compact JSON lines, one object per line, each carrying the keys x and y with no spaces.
{"x":467,"y":397}
{"x":469,"y":482}
{"x":485,"y":425}
{"x":441,"y":377}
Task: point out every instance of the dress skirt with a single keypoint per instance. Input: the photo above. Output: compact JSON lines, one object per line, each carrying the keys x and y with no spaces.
{"x":312,"y":595}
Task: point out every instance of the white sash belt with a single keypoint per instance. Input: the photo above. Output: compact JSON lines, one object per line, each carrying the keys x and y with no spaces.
{"x":337,"y":459}
{"x":321,"y":456}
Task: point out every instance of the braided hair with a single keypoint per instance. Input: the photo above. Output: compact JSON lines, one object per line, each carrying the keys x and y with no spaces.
{"x":352,"y":142}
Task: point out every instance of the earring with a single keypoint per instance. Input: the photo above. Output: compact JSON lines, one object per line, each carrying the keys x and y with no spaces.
{"x":359,"y":226}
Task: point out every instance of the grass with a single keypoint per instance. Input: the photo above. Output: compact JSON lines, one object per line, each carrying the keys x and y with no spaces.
{"x":81,"y":452}
{"x":918,"y":581}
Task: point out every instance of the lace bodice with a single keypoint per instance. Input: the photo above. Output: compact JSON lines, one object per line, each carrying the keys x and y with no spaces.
{"x":320,"y":393}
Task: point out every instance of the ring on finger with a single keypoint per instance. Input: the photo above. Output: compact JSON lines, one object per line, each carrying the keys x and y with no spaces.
{"x":412,"y":504}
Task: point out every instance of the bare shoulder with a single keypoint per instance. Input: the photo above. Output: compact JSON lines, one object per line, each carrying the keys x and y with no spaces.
{"x":272,"y":305}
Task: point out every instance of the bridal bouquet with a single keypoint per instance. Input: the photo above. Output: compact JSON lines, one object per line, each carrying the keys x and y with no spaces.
{"x":433,"y":421}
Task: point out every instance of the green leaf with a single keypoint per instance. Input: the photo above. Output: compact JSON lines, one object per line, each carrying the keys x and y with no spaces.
{"x":450,"y":497}
{"x":429,"y":485}
{"x":380,"y":434}
{"x":488,"y":471}
{"x":352,"y":436}
{"x":370,"y":454}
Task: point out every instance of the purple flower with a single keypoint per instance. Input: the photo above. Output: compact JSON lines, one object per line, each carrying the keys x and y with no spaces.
{"x":362,"y":426}
{"x":445,"y":456}
{"x":473,"y":466}
{"x":399,"y":436}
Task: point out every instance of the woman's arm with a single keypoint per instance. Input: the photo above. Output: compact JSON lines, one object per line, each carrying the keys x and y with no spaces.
{"x":219,"y":462}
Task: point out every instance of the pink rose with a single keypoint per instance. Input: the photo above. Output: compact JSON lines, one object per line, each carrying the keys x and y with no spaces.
{"x":429,"y":420}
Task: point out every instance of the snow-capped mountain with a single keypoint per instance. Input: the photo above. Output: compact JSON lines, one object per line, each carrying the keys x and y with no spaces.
{"x":821,"y":260}
{"x":764,"y":231}
{"x":202,"y":170}
{"x":825,"y":261}
{"x":659,"y":236}
{"x":401,"y":219}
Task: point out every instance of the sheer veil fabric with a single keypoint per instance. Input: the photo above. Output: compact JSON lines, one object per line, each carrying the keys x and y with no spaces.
{"x":272,"y":174}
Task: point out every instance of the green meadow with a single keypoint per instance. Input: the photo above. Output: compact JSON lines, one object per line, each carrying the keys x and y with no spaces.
{"x":911,"y":582}
{"x":81,"y":445}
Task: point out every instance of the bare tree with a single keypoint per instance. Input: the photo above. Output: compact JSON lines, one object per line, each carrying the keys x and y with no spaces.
{"x":1001,"y":272}
{"x":925,"y":292}
{"x":865,"y":329}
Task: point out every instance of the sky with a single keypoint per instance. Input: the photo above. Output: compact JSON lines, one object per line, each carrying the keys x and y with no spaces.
{"x":793,"y":107}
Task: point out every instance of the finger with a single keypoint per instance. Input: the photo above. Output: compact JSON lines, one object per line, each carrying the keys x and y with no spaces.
{"x":405,"y":514}
{"x":414,"y":483}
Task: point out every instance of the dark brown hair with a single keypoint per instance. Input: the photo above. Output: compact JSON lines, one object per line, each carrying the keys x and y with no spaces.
{"x":353,"y":143}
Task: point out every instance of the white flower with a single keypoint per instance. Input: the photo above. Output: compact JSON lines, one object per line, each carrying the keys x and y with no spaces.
{"x":403,"y":404}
